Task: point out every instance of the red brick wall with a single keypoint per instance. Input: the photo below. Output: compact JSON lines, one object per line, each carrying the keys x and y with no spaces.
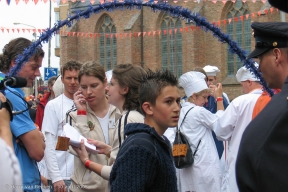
{"x":199,"y":48}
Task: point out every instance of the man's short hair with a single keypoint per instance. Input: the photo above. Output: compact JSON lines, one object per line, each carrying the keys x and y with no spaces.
{"x":70,"y":65}
{"x":153,"y":84}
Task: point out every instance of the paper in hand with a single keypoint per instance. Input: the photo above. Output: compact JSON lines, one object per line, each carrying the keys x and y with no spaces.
{"x":76,"y":137}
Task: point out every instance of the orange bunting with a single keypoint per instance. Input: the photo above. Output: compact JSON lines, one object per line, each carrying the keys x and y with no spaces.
{"x":242,"y":17}
{"x":247,"y":16}
{"x":271,"y":9}
{"x":144,"y":1}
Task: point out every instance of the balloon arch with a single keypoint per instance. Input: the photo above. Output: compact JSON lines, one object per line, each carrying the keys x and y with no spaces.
{"x":176,"y":11}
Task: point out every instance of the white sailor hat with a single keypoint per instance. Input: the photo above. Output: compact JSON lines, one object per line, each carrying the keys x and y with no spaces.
{"x":192,"y":82}
{"x":211,"y":70}
{"x":58,"y":87}
{"x":108,"y":75}
{"x":244,"y":74}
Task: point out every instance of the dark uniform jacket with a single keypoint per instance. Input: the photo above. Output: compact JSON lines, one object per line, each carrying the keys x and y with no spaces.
{"x":262,"y":162}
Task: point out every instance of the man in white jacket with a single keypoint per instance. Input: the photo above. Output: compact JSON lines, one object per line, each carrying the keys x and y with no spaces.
{"x":60,"y":164}
{"x":234,"y":121}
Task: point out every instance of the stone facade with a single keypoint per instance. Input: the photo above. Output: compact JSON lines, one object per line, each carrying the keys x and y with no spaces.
{"x":199,"y":48}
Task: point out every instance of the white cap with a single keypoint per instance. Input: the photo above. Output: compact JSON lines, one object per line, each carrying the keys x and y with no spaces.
{"x":108,"y":75}
{"x":211,"y":70}
{"x":244,"y":74}
{"x":58,"y":87}
{"x":192,"y":82}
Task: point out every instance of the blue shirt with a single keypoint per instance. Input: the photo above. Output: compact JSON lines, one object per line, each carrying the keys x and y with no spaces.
{"x":21,"y":124}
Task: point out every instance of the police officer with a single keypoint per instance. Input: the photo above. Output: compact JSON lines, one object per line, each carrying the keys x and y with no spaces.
{"x":262,"y":162}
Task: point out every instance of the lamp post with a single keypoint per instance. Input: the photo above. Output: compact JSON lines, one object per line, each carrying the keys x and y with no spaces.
{"x":33,"y":40}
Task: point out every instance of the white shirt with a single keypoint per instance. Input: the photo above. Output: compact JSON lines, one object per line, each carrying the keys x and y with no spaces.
{"x":10,"y":174}
{"x":204,"y":175}
{"x":226,"y":96}
{"x":60,"y":164}
{"x":230,"y":127}
{"x":43,"y":172}
{"x":104,"y":122}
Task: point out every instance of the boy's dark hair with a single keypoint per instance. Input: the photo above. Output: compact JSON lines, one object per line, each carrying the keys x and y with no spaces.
{"x":14,"y":48}
{"x":153,"y":83}
{"x":70,"y":65}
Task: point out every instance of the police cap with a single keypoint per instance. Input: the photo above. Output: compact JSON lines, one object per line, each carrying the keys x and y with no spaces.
{"x":280,"y":4}
{"x":269,"y":35}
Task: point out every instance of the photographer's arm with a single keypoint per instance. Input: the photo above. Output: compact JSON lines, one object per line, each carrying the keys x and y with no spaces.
{"x":5,"y":132}
{"x":34,"y":144}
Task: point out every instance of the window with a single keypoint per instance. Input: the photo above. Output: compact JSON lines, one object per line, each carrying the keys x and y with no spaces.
{"x":240,"y":31}
{"x":171,"y":45}
{"x":57,"y":36}
{"x":107,"y":43}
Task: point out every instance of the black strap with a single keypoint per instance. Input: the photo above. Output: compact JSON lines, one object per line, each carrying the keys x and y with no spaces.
{"x":119,"y":127}
{"x":196,"y":148}
{"x":119,"y":131}
{"x":184,"y":119}
{"x":125,"y":123}
{"x":7,"y":104}
{"x":179,"y":131}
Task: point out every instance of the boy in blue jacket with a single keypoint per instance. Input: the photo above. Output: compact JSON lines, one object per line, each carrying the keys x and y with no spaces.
{"x":144,"y":161}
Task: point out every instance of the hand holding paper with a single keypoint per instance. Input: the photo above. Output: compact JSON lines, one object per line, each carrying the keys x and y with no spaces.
{"x":76,"y":137}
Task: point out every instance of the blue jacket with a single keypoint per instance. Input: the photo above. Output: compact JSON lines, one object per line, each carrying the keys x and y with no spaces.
{"x":144,"y":162}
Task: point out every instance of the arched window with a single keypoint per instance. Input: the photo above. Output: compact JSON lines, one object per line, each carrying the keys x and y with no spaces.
{"x":240,"y":31}
{"x":108,"y":43}
{"x":171,"y":45}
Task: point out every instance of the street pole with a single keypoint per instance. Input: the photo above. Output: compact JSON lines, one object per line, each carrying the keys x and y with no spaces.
{"x":49,"y":42}
{"x":33,"y":40}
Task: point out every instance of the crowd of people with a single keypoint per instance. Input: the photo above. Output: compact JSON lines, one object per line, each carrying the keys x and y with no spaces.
{"x":131,"y":114}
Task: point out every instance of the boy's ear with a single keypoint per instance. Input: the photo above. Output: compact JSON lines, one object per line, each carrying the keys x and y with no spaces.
{"x":147,"y":108}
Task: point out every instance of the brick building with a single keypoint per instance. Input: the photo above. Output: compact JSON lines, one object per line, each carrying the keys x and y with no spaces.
{"x":175,"y":48}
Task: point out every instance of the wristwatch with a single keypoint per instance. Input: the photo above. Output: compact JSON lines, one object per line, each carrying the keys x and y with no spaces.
{"x":7,"y":105}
